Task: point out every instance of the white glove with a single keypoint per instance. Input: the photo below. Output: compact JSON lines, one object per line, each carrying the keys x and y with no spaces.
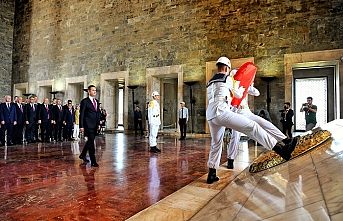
{"x":241,"y":89}
{"x":234,"y":109}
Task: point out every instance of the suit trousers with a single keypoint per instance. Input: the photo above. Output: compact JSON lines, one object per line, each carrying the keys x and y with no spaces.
{"x":183,"y":127}
{"x":18,"y":133}
{"x":30,"y":132}
{"x":89,"y":146}
{"x":229,"y":119}
{"x":9,"y":128}
{"x":287,"y":128}
{"x":272,"y":130}
{"x":136,"y":124}
{"x":45,"y":130}
{"x":153,"y":135}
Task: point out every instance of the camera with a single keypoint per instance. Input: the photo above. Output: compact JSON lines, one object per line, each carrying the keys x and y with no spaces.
{"x":284,"y":108}
{"x":305,"y":104}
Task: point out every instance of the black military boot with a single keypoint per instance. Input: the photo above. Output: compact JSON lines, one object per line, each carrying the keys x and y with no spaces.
{"x":286,"y":151}
{"x":212,"y":177}
{"x":230,"y":163}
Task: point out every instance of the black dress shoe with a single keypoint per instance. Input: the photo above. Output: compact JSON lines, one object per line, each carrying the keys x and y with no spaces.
{"x":212,"y":177}
{"x":10,"y":143}
{"x":153,"y":150}
{"x":94,"y":164}
{"x":286,"y":151}
{"x":181,"y":138}
{"x":158,"y":150}
{"x":84,"y":158}
{"x":287,"y":140}
{"x":229,"y":163}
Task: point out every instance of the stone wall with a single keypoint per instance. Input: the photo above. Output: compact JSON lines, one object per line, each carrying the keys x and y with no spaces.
{"x":6,"y":45}
{"x":57,"y":39}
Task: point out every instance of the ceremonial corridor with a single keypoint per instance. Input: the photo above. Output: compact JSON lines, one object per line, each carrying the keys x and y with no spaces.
{"x":49,"y":182}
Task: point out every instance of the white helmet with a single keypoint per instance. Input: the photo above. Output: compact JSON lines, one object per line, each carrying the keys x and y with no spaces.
{"x":155,"y":93}
{"x":225,"y":61}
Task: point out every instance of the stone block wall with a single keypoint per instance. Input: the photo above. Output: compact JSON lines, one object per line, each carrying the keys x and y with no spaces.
{"x":6,"y":45}
{"x":59,"y":39}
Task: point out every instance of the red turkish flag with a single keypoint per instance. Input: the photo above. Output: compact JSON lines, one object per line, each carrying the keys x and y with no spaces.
{"x":246,"y":75}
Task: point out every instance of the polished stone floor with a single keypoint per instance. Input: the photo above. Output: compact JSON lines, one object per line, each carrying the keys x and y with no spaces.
{"x":49,"y":182}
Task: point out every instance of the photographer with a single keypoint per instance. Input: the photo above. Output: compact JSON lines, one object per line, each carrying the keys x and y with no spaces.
{"x":310,"y":114}
{"x":286,"y":119}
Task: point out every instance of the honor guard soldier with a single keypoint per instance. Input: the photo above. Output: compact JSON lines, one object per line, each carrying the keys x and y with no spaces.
{"x":154,"y":121}
{"x":219,"y":116}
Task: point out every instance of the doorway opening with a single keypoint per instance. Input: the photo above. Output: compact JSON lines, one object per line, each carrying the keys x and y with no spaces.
{"x":121,"y":106}
{"x":318,"y":82}
{"x":43,"y":92}
{"x":170,"y":104}
{"x":168,"y":81}
{"x":114,"y":99}
{"x":76,"y":92}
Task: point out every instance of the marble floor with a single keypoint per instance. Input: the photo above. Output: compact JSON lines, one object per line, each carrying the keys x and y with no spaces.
{"x":49,"y":182}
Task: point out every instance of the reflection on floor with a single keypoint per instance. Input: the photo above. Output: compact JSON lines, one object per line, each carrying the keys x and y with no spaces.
{"x":49,"y":182}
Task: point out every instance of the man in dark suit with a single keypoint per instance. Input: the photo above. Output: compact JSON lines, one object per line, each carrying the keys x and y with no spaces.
{"x":58,"y":124}
{"x":89,"y":124}
{"x":17,"y":136}
{"x":45,"y":119}
{"x":37,"y":125}
{"x":8,"y":117}
{"x":68,"y":121}
{"x":286,"y":119}
{"x":30,"y":120}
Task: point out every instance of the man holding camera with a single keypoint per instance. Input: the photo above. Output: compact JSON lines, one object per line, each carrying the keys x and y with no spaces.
{"x":286,"y":119}
{"x":310,"y":114}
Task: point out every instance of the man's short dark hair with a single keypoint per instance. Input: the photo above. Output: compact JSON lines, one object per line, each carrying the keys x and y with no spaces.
{"x":310,"y":98}
{"x":90,"y":86}
{"x":220,"y":65}
{"x":288,"y":103}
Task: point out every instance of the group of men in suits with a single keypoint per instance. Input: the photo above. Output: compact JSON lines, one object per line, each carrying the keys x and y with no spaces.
{"x":51,"y":118}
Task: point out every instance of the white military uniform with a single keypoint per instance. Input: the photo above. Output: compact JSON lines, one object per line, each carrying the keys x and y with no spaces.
{"x":154,"y":121}
{"x":244,"y":110}
{"x":219,"y":117}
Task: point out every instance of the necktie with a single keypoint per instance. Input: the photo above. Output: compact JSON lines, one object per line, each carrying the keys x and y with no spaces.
{"x":70,"y":111}
{"x":21,"y":108}
{"x":47,"y":110}
{"x":8,"y":106}
{"x":33,"y":107}
{"x":60,"y":108}
{"x":181,"y":113}
{"x":94,"y":103}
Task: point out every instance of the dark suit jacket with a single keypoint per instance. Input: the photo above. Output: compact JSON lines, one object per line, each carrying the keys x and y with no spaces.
{"x":44,"y":113}
{"x":68,"y":117}
{"x":8,"y":115}
{"x":89,"y":117}
{"x":289,"y":117}
{"x":29,"y":114}
{"x":20,"y":113}
{"x":58,"y":115}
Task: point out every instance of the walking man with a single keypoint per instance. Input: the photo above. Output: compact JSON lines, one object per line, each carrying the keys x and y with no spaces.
{"x":89,"y":124}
